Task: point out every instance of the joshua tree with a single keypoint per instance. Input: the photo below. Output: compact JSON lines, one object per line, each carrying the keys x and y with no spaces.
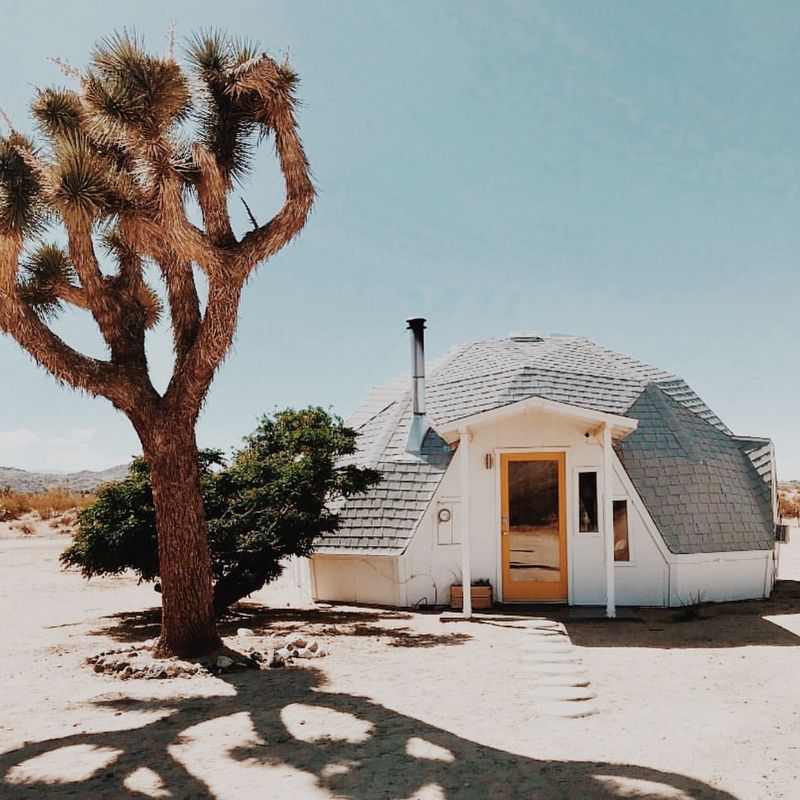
{"x":120,"y":158}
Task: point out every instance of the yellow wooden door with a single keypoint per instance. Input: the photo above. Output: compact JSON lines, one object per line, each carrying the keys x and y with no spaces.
{"x":533,"y":526}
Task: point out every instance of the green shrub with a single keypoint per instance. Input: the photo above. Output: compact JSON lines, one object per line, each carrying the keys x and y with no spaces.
{"x":277,"y":494}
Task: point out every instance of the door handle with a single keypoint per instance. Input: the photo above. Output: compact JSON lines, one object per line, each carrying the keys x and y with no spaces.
{"x":504,"y":526}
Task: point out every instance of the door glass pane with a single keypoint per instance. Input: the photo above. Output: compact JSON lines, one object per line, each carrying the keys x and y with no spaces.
{"x":534,"y":531}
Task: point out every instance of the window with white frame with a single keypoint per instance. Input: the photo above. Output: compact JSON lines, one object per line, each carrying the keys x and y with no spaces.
{"x":588,"y":502}
{"x":622,"y":550}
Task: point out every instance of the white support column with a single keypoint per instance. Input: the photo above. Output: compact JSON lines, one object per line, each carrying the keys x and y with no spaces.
{"x":608,"y":519}
{"x":466,"y":570}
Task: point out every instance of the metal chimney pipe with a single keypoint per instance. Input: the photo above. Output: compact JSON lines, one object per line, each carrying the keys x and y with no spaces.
{"x":417,"y":328}
{"x":419,"y":423}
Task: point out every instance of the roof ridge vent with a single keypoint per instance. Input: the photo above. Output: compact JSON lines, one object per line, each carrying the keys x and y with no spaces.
{"x":526,"y":336}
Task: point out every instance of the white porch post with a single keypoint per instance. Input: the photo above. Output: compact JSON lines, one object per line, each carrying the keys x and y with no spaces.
{"x":466,"y":571}
{"x":608,"y":519}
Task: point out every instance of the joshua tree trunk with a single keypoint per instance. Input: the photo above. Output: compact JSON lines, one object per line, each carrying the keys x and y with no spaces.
{"x":117,"y":166}
{"x":187,"y":622}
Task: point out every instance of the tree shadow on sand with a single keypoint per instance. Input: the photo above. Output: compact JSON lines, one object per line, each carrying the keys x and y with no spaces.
{"x":389,"y":756}
{"x":136,"y":626}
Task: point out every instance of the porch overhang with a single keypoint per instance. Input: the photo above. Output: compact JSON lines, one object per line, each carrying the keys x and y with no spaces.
{"x":620,"y":426}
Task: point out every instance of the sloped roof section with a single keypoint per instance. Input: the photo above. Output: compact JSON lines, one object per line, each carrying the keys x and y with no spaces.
{"x":759,"y":451}
{"x":703,"y":492}
{"x":485,"y":375}
{"x":382,"y":520}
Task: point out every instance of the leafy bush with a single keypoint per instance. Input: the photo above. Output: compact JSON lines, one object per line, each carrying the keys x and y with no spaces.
{"x":277,"y":494}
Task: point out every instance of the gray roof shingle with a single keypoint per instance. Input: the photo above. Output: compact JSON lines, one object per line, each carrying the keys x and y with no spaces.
{"x":700,"y":487}
{"x":484,"y":375}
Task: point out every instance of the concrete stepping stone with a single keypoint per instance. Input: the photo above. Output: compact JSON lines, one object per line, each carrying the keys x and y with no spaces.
{"x":557,"y":708}
{"x":569,"y":668}
{"x":535,"y":646}
{"x":561,"y":680}
{"x":541,"y":657}
{"x":544,"y":625}
{"x":544,"y":636}
{"x":571,"y":694}
{"x":545,"y":633}
{"x":552,"y":641}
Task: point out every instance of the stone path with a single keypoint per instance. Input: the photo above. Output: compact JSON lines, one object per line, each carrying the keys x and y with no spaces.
{"x":560,"y":686}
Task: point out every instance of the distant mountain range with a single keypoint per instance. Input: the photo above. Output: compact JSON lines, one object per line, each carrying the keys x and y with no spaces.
{"x":20,"y":480}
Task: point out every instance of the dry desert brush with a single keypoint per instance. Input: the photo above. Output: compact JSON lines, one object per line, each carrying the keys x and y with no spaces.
{"x":115,"y":166}
{"x":53,"y":503}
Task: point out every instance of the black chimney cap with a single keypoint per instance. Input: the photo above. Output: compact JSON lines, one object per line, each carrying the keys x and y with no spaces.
{"x":416,"y":323}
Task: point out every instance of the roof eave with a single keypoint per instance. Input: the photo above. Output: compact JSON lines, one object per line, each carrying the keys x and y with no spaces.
{"x":621,"y":426}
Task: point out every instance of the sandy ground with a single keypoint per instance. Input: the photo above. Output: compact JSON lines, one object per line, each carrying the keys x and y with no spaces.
{"x":406,"y":706}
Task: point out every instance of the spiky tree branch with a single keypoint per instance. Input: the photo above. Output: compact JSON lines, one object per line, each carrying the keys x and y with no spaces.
{"x":115,"y":163}
{"x":115,"y":160}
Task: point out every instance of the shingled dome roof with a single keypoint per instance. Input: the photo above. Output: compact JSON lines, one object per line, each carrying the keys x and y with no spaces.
{"x":707,"y":490}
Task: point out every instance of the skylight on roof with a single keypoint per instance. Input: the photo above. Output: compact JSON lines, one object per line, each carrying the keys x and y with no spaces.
{"x":526,"y":336}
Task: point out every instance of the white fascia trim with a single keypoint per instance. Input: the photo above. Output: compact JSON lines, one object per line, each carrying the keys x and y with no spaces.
{"x":721,"y":555}
{"x":345,"y":553}
{"x":621,"y":426}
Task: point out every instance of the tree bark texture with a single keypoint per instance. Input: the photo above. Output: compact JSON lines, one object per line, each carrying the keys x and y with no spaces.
{"x":187,"y":619}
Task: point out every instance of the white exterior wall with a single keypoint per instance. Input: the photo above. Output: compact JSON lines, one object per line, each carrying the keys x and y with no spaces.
{"x":423,"y":574}
{"x":644,"y":580}
{"x":355,"y":579}
{"x":428,"y":568}
{"x":716,"y":577}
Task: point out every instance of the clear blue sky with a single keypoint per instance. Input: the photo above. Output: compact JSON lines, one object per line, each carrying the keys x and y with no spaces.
{"x":626,"y":171}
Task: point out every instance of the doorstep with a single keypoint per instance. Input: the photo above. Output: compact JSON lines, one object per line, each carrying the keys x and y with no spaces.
{"x":561,"y":613}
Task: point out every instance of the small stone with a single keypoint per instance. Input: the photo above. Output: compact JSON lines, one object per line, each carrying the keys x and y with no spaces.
{"x":155,"y":671}
{"x":303,"y":652}
{"x":313,"y":646}
{"x":321,"y":653}
{"x":284,"y":653}
{"x":149,"y":644}
{"x":296,"y":641}
{"x":256,"y":656}
{"x":223,"y":662}
{"x":98,"y":667}
{"x":277,"y":661}
{"x":120,"y":666}
{"x":244,"y":632}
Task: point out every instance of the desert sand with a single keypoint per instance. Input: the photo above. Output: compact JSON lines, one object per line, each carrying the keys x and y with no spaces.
{"x":405,"y":706}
